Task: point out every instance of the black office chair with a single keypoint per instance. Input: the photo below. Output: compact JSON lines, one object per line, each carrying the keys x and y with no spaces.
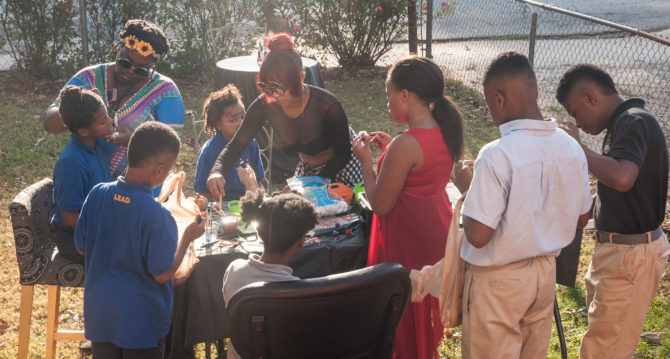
{"x":346,"y":315}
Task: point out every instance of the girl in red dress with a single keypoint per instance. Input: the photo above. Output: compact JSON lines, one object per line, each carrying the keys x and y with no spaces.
{"x":408,"y":197}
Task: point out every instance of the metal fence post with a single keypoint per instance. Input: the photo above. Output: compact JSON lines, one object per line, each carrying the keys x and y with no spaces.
{"x":84,"y":31}
{"x":531,"y":44}
{"x":429,"y":30}
{"x":412,"y":28}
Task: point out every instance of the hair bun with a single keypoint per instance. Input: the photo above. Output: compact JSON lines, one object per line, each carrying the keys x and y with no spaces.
{"x":250,"y":204}
{"x":280,"y":41}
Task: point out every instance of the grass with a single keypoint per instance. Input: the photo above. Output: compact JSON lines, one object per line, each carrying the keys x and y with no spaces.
{"x":28,"y":154}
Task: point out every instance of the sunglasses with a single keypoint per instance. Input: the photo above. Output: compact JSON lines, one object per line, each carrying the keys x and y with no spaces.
{"x":272,"y":89}
{"x":138,"y":70}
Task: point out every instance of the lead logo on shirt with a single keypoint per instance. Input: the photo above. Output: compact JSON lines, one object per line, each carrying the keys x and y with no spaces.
{"x":120,"y":198}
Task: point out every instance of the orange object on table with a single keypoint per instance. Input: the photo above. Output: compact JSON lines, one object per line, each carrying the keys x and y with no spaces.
{"x":340,"y":191}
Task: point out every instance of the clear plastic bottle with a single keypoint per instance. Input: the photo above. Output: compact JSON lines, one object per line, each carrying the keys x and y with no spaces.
{"x":208,"y":223}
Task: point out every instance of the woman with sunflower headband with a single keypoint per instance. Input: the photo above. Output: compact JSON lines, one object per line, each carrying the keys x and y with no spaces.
{"x":130,"y":87}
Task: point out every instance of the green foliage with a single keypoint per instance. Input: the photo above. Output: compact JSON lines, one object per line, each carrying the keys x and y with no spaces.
{"x":45,"y":41}
{"x":206,"y":31}
{"x":106,"y":19}
{"x":356,"y":32}
{"x":40,"y":35}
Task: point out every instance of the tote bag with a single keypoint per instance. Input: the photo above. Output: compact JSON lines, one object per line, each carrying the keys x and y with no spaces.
{"x":444,"y":279}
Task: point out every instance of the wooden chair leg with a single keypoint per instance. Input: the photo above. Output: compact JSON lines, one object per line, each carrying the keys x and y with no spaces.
{"x":25,"y":318}
{"x":53,"y":304}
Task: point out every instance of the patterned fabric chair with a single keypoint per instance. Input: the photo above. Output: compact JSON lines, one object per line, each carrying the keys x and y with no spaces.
{"x":40,"y":263}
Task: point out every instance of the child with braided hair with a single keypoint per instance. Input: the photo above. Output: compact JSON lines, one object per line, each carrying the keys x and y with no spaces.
{"x":81,"y":165}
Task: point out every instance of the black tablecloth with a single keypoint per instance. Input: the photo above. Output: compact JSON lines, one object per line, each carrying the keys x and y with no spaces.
{"x":199,"y":310}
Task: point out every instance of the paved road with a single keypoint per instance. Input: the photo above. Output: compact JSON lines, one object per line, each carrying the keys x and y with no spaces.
{"x":509,"y":17}
{"x":642,"y":14}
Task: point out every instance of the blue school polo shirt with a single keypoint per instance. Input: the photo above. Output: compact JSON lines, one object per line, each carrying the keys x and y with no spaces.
{"x":128,"y":238}
{"x":77,"y":170}
{"x":208,"y":154}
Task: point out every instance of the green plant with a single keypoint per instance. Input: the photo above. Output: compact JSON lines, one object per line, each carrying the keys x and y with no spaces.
{"x":106,"y":19}
{"x":356,"y":32}
{"x":206,"y":31}
{"x":40,"y":35}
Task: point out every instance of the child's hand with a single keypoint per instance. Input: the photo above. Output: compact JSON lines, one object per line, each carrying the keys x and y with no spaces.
{"x":247,"y":177}
{"x":571,"y":129}
{"x":361,"y":146}
{"x":380,"y":140}
{"x":462,"y":174}
{"x":195,"y":229}
{"x":215,"y":183}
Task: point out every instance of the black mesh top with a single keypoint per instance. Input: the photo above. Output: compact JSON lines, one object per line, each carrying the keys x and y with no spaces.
{"x":322,"y":125}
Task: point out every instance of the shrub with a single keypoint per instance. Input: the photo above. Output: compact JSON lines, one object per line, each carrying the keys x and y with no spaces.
{"x":106,"y":19}
{"x":203,"y":32}
{"x":356,"y":32}
{"x":41,"y":35}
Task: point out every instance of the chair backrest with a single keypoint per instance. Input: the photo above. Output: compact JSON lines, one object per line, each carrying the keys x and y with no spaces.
{"x":198,"y":126}
{"x":346,"y":315}
{"x":38,"y":259}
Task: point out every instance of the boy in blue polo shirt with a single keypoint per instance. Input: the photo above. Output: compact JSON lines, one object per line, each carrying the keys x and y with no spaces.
{"x":82,"y":164}
{"x":223,"y":112}
{"x":132,"y":251}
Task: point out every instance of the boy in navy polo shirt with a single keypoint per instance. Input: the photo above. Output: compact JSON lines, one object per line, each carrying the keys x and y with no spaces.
{"x":631,"y":250}
{"x":82,"y":164}
{"x":132,"y":251}
{"x":223,"y":112}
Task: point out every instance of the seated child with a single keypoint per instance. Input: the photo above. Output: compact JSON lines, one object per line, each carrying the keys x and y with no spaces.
{"x":82,"y":164}
{"x":282,"y":223}
{"x":223,"y":112}
{"x":132,"y":250}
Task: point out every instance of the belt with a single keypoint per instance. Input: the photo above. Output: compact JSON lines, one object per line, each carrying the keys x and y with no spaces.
{"x":618,"y":238}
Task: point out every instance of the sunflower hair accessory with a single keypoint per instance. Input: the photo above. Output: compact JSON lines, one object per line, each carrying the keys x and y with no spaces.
{"x":142,"y":47}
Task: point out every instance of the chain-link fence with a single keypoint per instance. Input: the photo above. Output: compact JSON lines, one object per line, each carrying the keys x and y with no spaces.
{"x":477,"y":30}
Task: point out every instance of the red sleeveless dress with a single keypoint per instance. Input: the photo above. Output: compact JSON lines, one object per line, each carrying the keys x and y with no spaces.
{"x":414,"y":234}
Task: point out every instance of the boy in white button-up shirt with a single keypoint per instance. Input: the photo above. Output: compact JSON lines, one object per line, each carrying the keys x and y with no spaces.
{"x":526,"y":194}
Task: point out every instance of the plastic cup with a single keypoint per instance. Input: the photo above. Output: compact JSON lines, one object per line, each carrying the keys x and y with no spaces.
{"x":211,"y":232}
{"x":234,"y":207}
{"x":358,"y":189}
{"x":230,"y":224}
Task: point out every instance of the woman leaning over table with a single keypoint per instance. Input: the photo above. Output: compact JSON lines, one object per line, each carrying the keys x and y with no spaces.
{"x":130,"y":87}
{"x":305,"y":119}
{"x":409,"y":198}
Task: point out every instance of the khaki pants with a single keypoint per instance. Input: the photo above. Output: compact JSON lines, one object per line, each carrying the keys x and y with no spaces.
{"x":620,"y":284}
{"x":507,"y":310}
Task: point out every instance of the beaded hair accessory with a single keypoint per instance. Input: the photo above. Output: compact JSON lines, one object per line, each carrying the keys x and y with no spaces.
{"x":142,"y":47}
